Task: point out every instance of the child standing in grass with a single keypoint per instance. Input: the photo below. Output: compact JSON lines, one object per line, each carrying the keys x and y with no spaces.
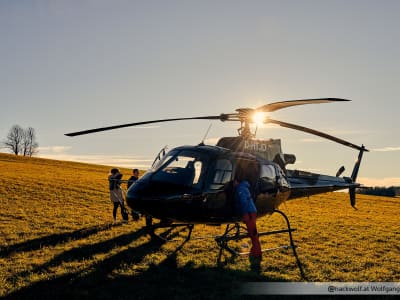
{"x":116,"y":196}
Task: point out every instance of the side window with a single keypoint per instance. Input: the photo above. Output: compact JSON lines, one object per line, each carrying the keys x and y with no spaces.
{"x":267,"y":178}
{"x":268,"y":171}
{"x":222,"y":173}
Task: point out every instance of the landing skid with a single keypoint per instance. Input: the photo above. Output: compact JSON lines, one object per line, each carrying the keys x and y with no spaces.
{"x":233,"y":232}
{"x":236,"y":232}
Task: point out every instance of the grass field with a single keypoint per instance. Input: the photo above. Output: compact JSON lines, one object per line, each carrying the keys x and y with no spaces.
{"x":57,"y":241}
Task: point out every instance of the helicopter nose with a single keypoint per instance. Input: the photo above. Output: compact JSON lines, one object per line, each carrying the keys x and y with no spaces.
{"x":134,"y":191}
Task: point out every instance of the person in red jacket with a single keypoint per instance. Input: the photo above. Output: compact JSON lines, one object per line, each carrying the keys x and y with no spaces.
{"x":248,"y":211}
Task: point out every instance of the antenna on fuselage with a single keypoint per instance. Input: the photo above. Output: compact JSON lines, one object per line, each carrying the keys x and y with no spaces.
{"x":208,"y":130}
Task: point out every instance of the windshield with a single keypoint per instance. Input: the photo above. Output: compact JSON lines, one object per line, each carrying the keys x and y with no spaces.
{"x":182,"y":168}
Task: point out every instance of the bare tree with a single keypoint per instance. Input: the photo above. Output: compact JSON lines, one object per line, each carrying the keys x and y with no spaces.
{"x":14,"y":139}
{"x":30,"y":146}
{"x":20,"y":141}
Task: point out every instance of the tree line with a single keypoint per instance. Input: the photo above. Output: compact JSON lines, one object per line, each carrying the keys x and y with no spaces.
{"x":391,"y":191}
{"x":21,"y":141}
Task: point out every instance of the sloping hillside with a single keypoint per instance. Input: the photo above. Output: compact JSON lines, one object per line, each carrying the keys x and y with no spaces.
{"x":65,"y":195}
{"x":57,"y":241}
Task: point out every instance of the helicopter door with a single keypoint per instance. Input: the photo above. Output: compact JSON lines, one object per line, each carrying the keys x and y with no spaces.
{"x":249,"y":170}
{"x":222,"y":174}
{"x":219,"y":187}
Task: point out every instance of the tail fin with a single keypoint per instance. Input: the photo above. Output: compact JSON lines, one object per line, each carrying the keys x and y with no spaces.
{"x":352,"y":190}
{"x":352,"y":193}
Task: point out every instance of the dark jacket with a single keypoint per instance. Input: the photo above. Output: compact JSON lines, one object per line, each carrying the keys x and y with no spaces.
{"x":131,"y":180}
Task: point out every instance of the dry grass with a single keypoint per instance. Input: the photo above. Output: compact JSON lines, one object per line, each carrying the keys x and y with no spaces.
{"x":57,"y":241}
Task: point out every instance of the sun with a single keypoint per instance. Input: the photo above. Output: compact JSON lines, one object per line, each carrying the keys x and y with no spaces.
{"x":259,"y":118}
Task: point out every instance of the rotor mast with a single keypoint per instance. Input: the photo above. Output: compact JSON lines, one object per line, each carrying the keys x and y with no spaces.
{"x":244,"y":115}
{"x":244,"y":130}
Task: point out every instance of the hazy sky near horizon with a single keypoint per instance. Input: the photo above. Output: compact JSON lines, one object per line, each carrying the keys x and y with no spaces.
{"x":73,"y":65}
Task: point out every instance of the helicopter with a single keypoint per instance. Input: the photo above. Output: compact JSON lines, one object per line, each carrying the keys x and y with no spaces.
{"x":191,"y":185}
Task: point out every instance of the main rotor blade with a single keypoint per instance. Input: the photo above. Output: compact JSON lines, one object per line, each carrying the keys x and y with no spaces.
{"x":315,"y":132}
{"x":283,"y":104}
{"x":220,"y":117}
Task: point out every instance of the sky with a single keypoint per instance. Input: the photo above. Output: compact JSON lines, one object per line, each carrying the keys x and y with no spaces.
{"x":73,"y":65}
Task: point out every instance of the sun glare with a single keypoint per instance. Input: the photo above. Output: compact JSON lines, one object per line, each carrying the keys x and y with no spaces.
{"x":259,"y":118}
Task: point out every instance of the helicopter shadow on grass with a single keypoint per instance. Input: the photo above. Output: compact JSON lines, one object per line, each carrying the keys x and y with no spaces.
{"x":102,"y":280}
{"x":68,"y":286}
{"x":168,"y":278}
{"x":86,"y":252}
{"x":53,"y":240}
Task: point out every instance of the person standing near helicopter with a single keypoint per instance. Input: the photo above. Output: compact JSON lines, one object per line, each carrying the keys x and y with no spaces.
{"x":116,"y":195}
{"x":133,"y":178}
{"x":248,"y":211}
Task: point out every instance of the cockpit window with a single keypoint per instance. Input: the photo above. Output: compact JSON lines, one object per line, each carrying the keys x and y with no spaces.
{"x":268,"y":172}
{"x":182,"y":168}
{"x":159,"y":158}
{"x":222,"y":173}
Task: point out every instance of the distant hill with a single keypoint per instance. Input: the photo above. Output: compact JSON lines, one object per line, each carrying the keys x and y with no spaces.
{"x":57,"y":241}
